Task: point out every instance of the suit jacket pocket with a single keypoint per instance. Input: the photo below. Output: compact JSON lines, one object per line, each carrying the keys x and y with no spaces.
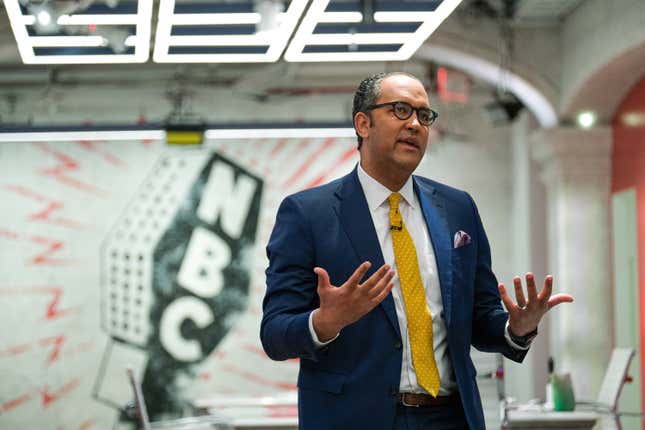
{"x":464,"y":252}
{"x":313,"y":379}
{"x":463,"y":262}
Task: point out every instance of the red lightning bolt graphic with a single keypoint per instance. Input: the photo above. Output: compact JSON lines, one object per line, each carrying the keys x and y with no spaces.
{"x":49,"y":397}
{"x":8,"y":234}
{"x":45,"y":215}
{"x":53,"y":342}
{"x":278,"y":147}
{"x":51,"y":247}
{"x":53,"y":311}
{"x":308,"y":162}
{"x":347,"y":155}
{"x":14,"y":403}
{"x":57,"y":342}
{"x":66,"y":165}
{"x":92,"y":147}
{"x":15,"y":350}
{"x":259,"y":379}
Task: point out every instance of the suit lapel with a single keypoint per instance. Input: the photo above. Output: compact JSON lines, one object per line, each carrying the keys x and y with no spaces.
{"x":434,"y":213}
{"x":354,"y":215}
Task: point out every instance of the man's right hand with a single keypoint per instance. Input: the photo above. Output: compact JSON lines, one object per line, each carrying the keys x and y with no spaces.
{"x":341,"y":306}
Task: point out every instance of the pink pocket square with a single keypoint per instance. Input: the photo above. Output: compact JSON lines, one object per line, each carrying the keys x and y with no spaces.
{"x":461,"y":238}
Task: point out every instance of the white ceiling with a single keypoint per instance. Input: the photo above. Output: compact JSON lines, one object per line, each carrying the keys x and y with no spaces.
{"x":46,"y":87}
{"x":119,"y":31}
{"x":544,"y":9}
{"x":526,"y":12}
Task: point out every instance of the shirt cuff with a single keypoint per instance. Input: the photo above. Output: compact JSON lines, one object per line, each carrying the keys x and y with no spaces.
{"x":507,"y":335}
{"x":314,"y":337}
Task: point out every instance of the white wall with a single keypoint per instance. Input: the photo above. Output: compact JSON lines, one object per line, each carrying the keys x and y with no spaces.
{"x":595,"y":37}
{"x":478,"y":164}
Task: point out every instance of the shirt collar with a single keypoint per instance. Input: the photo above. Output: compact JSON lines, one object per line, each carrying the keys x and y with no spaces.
{"x":377,"y":193}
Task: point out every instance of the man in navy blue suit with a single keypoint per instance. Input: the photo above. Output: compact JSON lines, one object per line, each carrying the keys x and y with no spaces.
{"x":366,"y":270}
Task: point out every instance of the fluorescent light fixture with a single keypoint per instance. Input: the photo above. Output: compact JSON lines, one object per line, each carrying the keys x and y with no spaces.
{"x":263,"y":133}
{"x":27,"y":43}
{"x":586,"y":119}
{"x":402,"y":16}
{"x":215,"y":18}
{"x":67,"y":41}
{"x":26,"y":20}
{"x":73,"y":136}
{"x":44,"y":17}
{"x":87,"y":19}
{"x":234,"y":40}
{"x":274,"y":41}
{"x":160,"y":135}
{"x":409,"y":42}
{"x":357,"y":38}
{"x":114,"y":19}
{"x":341,"y":17}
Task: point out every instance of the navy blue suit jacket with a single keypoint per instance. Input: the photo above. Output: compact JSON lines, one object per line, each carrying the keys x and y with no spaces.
{"x":350,"y":383}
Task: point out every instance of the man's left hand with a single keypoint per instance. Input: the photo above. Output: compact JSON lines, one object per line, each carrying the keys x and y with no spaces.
{"x":525,"y":315}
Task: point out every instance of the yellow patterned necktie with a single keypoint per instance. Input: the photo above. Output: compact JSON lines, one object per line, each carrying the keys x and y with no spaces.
{"x":416,"y":306}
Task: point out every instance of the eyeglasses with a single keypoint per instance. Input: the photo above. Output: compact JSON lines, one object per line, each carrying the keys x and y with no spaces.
{"x":403,"y":111}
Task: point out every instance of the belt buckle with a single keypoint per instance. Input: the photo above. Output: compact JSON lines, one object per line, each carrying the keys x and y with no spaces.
{"x":404,"y":403}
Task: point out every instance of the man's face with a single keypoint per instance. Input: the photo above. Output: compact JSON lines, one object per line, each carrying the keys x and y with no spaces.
{"x":391,"y":145}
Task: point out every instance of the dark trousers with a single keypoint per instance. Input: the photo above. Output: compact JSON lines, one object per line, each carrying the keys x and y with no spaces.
{"x":445,"y":417}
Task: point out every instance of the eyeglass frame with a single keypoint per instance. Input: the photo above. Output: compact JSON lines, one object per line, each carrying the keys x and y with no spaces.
{"x":433,"y":118}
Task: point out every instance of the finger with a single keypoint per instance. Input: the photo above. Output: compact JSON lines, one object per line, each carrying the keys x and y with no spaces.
{"x":508,"y":302}
{"x":547,"y":290}
{"x":383,"y":294}
{"x":519,"y":292}
{"x":323,"y":278}
{"x":380,"y":285}
{"x":358,"y":274}
{"x":531,"y":289}
{"x":376,"y":276}
{"x":556,"y":299}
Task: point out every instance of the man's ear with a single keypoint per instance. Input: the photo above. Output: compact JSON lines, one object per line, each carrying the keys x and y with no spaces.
{"x":362,"y":123}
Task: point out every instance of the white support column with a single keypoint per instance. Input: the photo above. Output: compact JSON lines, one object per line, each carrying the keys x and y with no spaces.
{"x":527,"y":380}
{"x":576,"y":169}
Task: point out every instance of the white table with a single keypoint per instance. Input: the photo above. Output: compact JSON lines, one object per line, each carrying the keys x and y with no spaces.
{"x":277,"y":412}
{"x":518,"y":419}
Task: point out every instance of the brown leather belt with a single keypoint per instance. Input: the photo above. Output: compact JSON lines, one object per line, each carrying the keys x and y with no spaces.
{"x":419,"y":399}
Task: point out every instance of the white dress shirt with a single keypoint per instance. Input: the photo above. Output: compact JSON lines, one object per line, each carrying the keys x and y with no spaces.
{"x":377,"y":200}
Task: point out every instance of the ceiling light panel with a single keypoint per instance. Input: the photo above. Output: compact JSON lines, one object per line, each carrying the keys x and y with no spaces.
{"x":340,"y":30}
{"x":96,"y":34}
{"x":224,"y":32}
